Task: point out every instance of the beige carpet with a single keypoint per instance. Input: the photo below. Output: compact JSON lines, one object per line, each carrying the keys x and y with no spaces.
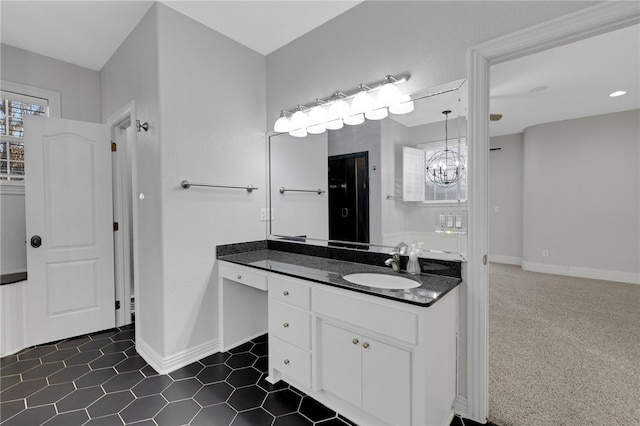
{"x":562,"y":350}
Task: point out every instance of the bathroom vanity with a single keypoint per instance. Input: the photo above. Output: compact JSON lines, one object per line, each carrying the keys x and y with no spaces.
{"x":378,"y":356}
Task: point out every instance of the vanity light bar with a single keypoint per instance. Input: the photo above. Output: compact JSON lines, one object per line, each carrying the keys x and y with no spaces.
{"x":372,"y":101}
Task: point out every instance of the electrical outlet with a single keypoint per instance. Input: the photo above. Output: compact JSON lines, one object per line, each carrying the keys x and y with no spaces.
{"x":545,"y":253}
{"x":263,"y":215}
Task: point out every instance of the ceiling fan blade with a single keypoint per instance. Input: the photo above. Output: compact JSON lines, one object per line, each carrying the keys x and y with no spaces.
{"x":495,"y":117}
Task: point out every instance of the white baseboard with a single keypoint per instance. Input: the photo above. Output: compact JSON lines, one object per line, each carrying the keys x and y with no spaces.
{"x":175,"y":361}
{"x":578,"y":271}
{"x":509,"y":260}
{"x":460,"y":406}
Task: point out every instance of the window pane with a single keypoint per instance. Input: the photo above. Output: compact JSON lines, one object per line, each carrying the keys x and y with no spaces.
{"x":16,"y":151}
{"x":12,"y":113}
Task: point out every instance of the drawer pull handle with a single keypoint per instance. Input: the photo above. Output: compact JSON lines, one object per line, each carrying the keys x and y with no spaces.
{"x":286,"y":292}
{"x":286,"y":362}
{"x":285,"y":325}
{"x":355,"y":341}
{"x":239,"y":276}
{"x":365,"y":345}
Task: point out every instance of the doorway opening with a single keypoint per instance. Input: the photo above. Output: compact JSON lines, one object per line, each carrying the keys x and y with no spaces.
{"x":349,"y":198}
{"x":524,"y":194}
{"x":123,"y":132}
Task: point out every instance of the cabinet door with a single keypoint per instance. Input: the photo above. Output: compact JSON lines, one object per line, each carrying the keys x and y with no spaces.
{"x":340,"y":363}
{"x":386,"y":381}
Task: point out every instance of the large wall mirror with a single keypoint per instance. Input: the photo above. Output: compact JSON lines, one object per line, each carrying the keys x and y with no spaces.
{"x":374,"y":185}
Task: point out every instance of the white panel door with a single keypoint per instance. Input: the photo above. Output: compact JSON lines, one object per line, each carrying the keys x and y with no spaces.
{"x":69,"y":222}
{"x":341,"y":364}
{"x":386,"y":381}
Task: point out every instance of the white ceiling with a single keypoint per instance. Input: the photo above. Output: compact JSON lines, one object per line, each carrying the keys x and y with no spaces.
{"x":566,"y":82}
{"x":87,"y":33}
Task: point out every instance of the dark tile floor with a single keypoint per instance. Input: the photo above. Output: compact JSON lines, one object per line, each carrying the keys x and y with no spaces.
{"x":100,"y":379}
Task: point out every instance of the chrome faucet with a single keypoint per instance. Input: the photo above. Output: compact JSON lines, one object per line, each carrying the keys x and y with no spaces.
{"x":394,"y":261}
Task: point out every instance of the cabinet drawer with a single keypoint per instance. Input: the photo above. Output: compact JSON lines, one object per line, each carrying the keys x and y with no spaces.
{"x":290,"y":324}
{"x":289,"y":291}
{"x":291,"y":361}
{"x":243,"y":275}
{"x":380,"y":318}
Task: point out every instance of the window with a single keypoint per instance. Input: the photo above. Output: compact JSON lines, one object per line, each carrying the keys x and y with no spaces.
{"x":416,"y":184}
{"x":457,"y":192}
{"x":16,"y":102}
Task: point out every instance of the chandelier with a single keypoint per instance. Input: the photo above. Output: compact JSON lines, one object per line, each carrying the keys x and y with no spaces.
{"x":445,"y":167}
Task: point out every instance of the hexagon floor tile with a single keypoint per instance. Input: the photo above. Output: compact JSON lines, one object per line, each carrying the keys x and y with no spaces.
{"x":100,"y":379}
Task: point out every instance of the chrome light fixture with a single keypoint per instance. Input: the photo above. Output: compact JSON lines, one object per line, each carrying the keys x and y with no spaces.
{"x":445,"y":167}
{"x":371,"y":101}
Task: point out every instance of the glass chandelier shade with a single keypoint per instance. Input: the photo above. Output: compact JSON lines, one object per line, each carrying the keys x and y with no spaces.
{"x":404,"y":105}
{"x":445,"y":167}
{"x":389,"y":95}
{"x":362,"y":102}
{"x":282,"y":124}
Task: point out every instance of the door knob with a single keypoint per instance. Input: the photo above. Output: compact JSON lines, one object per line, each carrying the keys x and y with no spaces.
{"x":36,"y":241}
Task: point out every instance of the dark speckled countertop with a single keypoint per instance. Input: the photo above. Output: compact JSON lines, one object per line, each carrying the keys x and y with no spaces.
{"x":330,"y":271}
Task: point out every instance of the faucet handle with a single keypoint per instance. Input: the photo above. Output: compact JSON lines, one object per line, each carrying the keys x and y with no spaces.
{"x":401,"y":249}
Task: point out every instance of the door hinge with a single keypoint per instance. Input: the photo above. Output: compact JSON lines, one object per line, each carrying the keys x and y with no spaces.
{"x":117,"y":305}
{"x":114,"y":147}
{"x":115,"y":226}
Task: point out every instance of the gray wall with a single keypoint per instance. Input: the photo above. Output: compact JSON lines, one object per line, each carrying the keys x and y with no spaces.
{"x":506,"y":198}
{"x":79,"y":87}
{"x":79,"y":90}
{"x":204,"y":98}
{"x":132,"y":74}
{"x":582,"y":193}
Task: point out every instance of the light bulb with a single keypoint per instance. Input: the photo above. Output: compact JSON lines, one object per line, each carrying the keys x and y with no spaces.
{"x":389,"y":95}
{"x":362,"y":102}
{"x":316,"y":129}
{"x":318,"y":115}
{"x":339,"y":109}
{"x":299,"y":133}
{"x":282,"y":124}
{"x":377,"y":114}
{"x":354,"y":119}
{"x":335,"y":124}
{"x":405,"y":106}
{"x":299,"y":120}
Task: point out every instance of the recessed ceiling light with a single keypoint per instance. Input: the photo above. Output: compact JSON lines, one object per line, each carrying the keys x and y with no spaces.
{"x":617,"y":93}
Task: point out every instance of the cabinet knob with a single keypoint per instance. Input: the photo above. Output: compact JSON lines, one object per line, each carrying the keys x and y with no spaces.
{"x":239,"y":276}
{"x":286,"y":362}
{"x":286,"y":292}
{"x":285,"y":325}
{"x":365,"y":345}
{"x":355,"y":341}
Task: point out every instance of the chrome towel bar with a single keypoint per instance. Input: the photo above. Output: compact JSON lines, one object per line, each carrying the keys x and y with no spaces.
{"x":186,"y":185}
{"x":318,"y":191}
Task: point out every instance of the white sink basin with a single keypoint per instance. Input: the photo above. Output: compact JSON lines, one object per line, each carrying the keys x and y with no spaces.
{"x":381,"y":281}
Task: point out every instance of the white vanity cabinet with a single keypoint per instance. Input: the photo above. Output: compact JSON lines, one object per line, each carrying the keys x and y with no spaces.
{"x":366,"y":372}
{"x":289,"y":330}
{"x":376,"y":361}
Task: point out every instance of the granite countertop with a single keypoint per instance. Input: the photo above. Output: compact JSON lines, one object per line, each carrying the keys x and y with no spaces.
{"x":330,"y":271}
